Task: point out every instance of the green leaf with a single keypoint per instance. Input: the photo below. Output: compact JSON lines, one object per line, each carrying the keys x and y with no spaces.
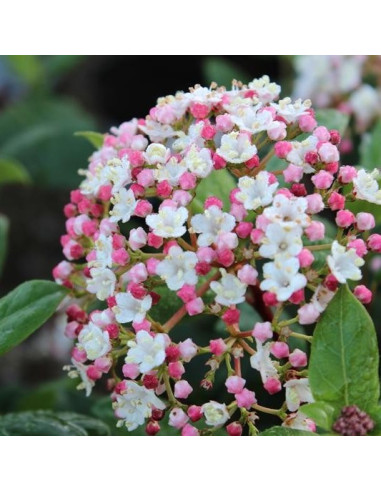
{"x":47,"y":423}
{"x":12,"y":171}
{"x":25,"y":309}
{"x":28,"y":67}
{"x":321,"y":413}
{"x":370,"y":149}
{"x":223,"y":71}
{"x":344,"y":355}
{"x":219,"y":183}
{"x":39,"y":133}
{"x":4,"y":227}
{"x":278,"y":430}
{"x":332,"y":119}
{"x":95,"y":138}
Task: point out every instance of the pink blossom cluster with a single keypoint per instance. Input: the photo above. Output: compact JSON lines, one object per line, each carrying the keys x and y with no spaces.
{"x":133,"y":234}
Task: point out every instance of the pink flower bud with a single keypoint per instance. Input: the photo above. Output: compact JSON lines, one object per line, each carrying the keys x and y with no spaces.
{"x":199,"y":110}
{"x":152,"y":428}
{"x":224,"y":123}
{"x":218,"y":162}
{"x":176,"y":369}
{"x":227,"y":240}
{"x":151,"y":265}
{"x":358,"y":245}
{"x":189,"y":430}
{"x":256,"y":236}
{"x":208,"y":132}
{"x":154,"y":241}
{"x":306,"y":258}
{"x":143,"y":208}
{"x":195,"y":306}
{"x":187,"y":293}
{"x":146,"y":178}
{"x":331,"y":282}
{"x":248,"y":275}
{"x":279,"y":350}
{"x":322,"y":180}
{"x":234,"y":429}
{"x":277,"y":132}
{"x":238,"y":211}
{"x":244,"y":229}
{"x":293,"y":173}
{"x":195,"y":413}
{"x":172,"y":353}
{"x":225,"y":257}
{"x":365,"y":221}
{"x":253,"y":162}
{"x":332,"y":167}
{"x":336,"y":201}
{"x":120,"y":256}
{"x":164,"y":189}
{"x":137,"y":238}
{"x":335,"y":137}
{"x":374,"y":243}
{"x":245,"y":398}
{"x":262,"y":331}
{"x":187,"y":349}
{"x":93,"y":373}
{"x":181,"y":197}
{"x":281,"y":149}
{"x":103,"y":364}
{"x":130,"y":371}
{"x":143,"y":325}
{"x":322,"y":134}
{"x":308,"y":314}
{"x":138,"y":273}
{"x":177,"y":418}
{"x":235,"y":384}
{"x":344,"y":218}
{"x":270,"y":299}
{"x":298,"y":358}
{"x":307,"y":123}
{"x":272,"y":386}
{"x":297,"y":297}
{"x":188,"y":181}
{"x":182,"y":389}
{"x":315,"y":231}
{"x":213,"y":200}
{"x":78,"y":354}
{"x":231,"y":316}
{"x":347,"y":173}
{"x":363,"y":294}
{"x":206,"y":254}
{"x":217,"y":346}
{"x":311,"y":157}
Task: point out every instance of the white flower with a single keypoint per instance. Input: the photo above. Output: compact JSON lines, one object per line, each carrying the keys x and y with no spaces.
{"x":230,"y":290}
{"x":299,"y":150}
{"x":80,"y":370}
{"x":297,"y":391}
{"x":236,"y":148}
{"x":178,"y":268}
{"x":280,"y":240}
{"x":288,"y":212}
{"x":184,"y":141}
{"x":94,"y":341}
{"x":215,"y":413}
{"x":168,"y":222}
{"x":266,"y":91}
{"x":321,"y":298}
{"x":211,"y":224}
{"x":130,"y":309}
{"x":124,"y":205}
{"x":199,"y":162}
{"x":256,"y":192}
{"x":262,"y":362}
{"x":282,"y":278}
{"x":292,"y":111}
{"x":134,"y":405}
{"x":102,"y":283}
{"x":344,"y":264}
{"x":118,"y":172}
{"x":156,"y":131}
{"x":300,"y":422}
{"x":365,"y":186}
{"x":146,"y":351}
{"x":103,"y":250}
{"x":157,"y":154}
{"x":94,"y":180}
{"x":252,"y":120}
{"x":171,"y":171}
{"x":365,"y":102}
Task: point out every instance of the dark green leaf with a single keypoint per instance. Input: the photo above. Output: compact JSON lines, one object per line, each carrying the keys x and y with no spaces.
{"x":28,"y":67}
{"x":47,"y":423}
{"x":344,"y":355}
{"x":95,"y":138}
{"x":4,"y":227}
{"x":321,"y":413}
{"x":218,"y":183}
{"x":223,"y":71}
{"x":370,"y":150}
{"x":285,"y":431}
{"x":25,"y":309}
{"x":332,"y":119}
{"x":39,"y":133}
{"x":12,"y":171}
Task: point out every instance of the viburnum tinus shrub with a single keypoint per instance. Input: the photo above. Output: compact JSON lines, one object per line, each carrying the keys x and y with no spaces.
{"x":230,"y":195}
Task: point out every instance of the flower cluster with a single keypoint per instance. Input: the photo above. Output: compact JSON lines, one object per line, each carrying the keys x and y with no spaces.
{"x":144,"y":228}
{"x":341,"y":81}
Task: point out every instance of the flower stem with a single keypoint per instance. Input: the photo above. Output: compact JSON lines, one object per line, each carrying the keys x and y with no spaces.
{"x":271,"y":411}
{"x":319,"y":247}
{"x":246,"y":347}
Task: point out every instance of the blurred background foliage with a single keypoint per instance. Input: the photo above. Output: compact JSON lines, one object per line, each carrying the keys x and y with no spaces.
{"x":44,"y":100}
